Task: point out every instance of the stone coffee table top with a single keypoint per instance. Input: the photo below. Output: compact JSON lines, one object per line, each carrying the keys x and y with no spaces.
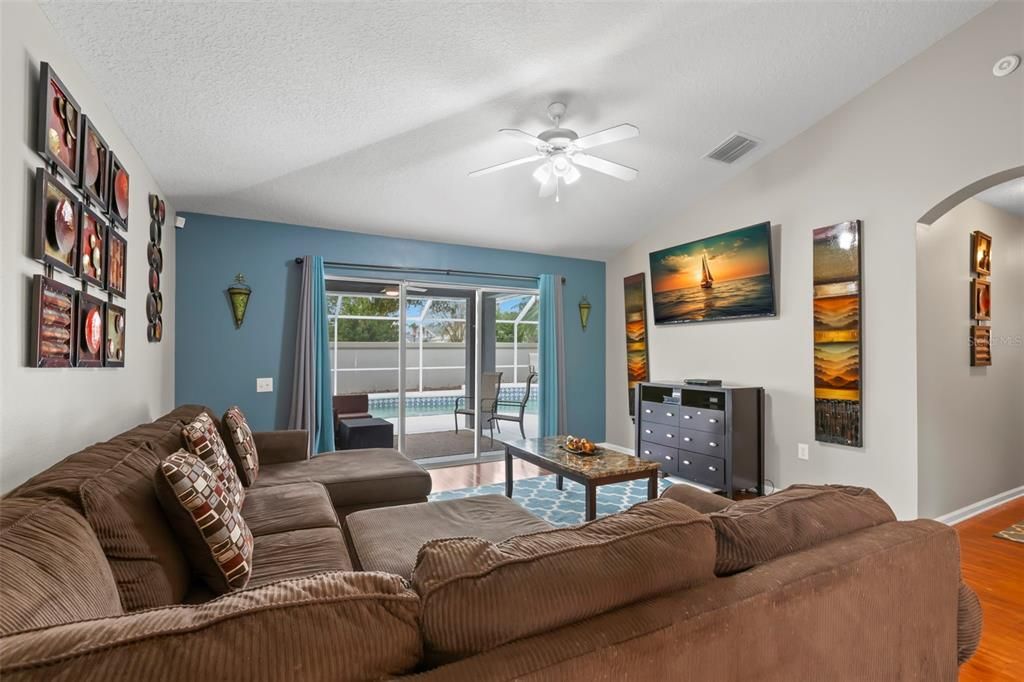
{"x":602,"y":465}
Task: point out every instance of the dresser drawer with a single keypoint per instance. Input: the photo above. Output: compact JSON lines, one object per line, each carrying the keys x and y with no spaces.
{"x":702,"y":441}
{"x":663,"y":455}
{"x":662,"y":434}
{"x":701,"y":468}
{"x":702,"y":419}
{"x":660,"y":413}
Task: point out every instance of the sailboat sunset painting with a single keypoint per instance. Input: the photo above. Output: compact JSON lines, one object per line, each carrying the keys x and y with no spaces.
{"x":717,"y":278}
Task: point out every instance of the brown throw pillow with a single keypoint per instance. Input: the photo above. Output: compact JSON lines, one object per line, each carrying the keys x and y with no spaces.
{"x":240,"y":444}
{"x":477,"y":595}
{"x":203,"y":440}
{"x":752,"y":532}
{"x":210,"y":526}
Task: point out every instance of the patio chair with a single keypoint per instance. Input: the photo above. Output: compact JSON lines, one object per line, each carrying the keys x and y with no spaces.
{"x":490,"y":386}
{"x":350,"y":406}
{"x":521,"y":404}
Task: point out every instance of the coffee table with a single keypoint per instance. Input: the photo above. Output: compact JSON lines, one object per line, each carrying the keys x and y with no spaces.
{"x":590,"y":471}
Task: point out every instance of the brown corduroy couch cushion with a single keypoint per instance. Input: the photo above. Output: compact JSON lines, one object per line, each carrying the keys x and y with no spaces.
{"x":144,"y":554}
{"x":752,"y":532}
{"x":477,"y":595}
{"x":330,"y":627}
{"x":52,"y":569}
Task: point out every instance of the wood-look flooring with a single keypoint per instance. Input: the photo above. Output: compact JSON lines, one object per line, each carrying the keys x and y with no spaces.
{"x":994,"y":567}
{"x":485,"y":473}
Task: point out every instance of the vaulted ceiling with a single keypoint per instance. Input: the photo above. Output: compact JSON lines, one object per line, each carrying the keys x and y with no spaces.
{"x":368,"y":116}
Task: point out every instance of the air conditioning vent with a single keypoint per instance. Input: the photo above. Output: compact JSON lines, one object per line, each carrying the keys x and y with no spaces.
{"x":738,"y":145}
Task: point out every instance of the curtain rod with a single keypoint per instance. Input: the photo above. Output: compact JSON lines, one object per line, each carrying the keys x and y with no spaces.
{"x":431,"y":271}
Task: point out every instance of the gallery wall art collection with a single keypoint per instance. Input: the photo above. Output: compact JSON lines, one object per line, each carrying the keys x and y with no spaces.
{"x":731,"y":275}
{"x":981,"y":299}
{"x":155,"y":256}
{"x":81,"y":205}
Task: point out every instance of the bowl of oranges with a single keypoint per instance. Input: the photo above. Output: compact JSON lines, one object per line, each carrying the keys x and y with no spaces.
{"x":579,"y":446}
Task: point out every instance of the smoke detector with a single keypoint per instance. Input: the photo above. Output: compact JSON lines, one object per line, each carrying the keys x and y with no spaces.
{"x":1006,"y":65}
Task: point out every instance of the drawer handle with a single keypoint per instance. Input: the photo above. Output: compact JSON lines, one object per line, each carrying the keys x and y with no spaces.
{"x":668,"y":457}
{"x":712,"y":468}
{"x":670,"y":414}
{"x":669,"y":435}
{"x":713,"y":444}
{"x":687,"y":439}
{"x":686,"y":462}
{"x":647,"y":452}
{"x":686,"y":416}
{"x":647,"y":431}
{"x":713,"y":420}
{"x":648,"y":411}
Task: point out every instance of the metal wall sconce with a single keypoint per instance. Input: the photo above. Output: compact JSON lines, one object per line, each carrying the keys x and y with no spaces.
{"x":584,"y":312}
{"x":239,"y":293}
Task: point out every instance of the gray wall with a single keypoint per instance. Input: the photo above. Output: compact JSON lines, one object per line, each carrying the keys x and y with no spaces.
{"x":933,"y":126}
{"x":45,"y":414}
{"x":970,"y":419}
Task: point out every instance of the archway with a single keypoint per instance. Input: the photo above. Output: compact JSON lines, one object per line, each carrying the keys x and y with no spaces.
{"x":969,"y":425}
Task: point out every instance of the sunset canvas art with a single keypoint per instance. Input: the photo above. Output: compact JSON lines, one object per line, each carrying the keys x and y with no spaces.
{"x":837,"y":331}
{"x":637,"y":367}
{"x":716,"y":278}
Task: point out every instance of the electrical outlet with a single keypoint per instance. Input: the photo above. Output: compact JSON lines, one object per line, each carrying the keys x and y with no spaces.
{"x":265,"y":385}
{"x":802,"y":451}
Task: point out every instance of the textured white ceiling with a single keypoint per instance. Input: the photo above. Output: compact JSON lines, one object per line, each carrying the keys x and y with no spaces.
{"x":1008,"y":196}
{"x":368,"y":116}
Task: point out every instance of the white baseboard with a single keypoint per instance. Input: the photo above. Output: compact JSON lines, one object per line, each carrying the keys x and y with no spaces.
{"x":981,"y":506}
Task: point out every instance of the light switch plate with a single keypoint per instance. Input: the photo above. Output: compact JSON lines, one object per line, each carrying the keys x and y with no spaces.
{"x":802,"y":451}
{"x":265,"y":385}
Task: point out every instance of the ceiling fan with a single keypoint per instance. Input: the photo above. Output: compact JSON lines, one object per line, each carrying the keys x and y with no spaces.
{"x":562,"y":150}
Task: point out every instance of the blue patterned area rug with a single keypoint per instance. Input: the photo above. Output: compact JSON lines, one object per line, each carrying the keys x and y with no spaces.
{"x":560,"y":507}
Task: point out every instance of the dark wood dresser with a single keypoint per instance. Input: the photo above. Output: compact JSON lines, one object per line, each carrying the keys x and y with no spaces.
{"x":712,"y":435}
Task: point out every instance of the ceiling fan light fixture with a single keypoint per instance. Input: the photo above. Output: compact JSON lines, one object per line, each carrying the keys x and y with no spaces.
{"x":542,"y":173}
{"x":571,"y":175}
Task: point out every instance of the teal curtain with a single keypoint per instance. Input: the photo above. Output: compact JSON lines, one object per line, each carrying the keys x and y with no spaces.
{"x":323,"y":436}
{"x":552,"y":377}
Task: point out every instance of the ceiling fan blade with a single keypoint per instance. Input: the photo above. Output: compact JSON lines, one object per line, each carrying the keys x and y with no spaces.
{"x":623,"y":131}
{"x":507,"y":164}
{"x":524,"y":136}
{"x":616,"y":170}
{"x":549,"y":186}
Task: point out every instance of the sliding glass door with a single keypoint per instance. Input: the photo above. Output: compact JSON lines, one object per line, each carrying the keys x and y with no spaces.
{"x":452,"y":367}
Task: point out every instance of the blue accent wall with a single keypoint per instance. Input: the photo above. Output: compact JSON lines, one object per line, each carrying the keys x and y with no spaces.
{"x":217,"y":365}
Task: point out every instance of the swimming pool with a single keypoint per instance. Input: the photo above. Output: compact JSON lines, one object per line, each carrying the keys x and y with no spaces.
{"x":425,"y":406}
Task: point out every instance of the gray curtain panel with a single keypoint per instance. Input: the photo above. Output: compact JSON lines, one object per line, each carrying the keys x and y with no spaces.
{"x":303,"y":409}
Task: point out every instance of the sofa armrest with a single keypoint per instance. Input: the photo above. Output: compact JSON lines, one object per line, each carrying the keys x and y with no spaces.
{"x":313,"y":628}
{"x":278,"y":447}
{"x":695,"y":498}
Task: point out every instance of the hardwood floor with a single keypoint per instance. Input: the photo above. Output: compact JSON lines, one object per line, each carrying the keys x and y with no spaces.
{"x":470,"y":475}
{"x":995,"y":569}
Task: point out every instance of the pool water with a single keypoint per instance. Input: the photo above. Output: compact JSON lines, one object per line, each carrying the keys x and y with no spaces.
{"x":423,"y":406}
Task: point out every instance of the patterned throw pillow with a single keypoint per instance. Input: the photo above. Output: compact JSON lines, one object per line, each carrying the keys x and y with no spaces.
{"x":209,"y":525}
{"x":203,"y":440}
{"x":241,"y":445}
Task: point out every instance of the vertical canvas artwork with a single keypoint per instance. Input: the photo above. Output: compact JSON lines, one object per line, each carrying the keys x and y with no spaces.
{"x":837,"y":334}
{"x":637,"y":365}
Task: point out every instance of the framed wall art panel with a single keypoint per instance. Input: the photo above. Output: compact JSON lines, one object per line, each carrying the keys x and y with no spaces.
{"x":837,"y":334}
{"x":637,"y":358}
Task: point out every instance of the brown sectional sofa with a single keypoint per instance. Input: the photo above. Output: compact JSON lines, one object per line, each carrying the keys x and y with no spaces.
{"x":631,"y":597}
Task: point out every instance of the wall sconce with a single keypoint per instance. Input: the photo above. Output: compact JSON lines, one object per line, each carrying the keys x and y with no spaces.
{"x":584,"y":312}
{"x":239,"y":293}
